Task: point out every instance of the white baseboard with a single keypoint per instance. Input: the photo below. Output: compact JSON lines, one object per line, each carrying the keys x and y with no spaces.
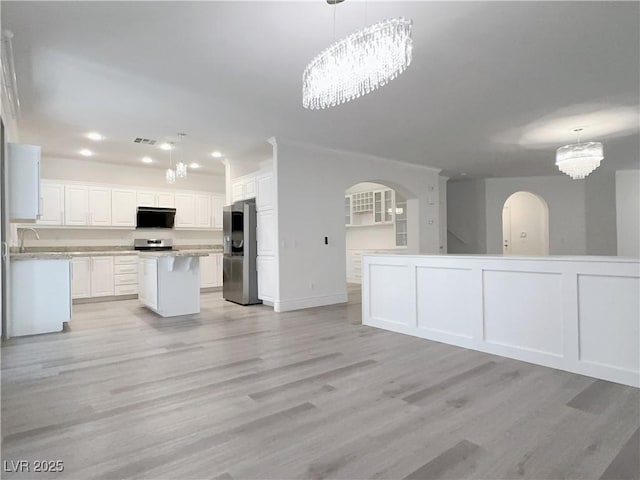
{"x":309,"y":302}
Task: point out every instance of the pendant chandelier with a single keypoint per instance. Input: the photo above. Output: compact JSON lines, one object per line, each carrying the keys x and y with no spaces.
{"x":181,"y":167}
{"x":170,"y":174}
{"x":357,"y":64}
{"x":579,"y":159}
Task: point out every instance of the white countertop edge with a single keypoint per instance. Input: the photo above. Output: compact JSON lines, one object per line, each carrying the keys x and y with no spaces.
{"x":550,"y":258}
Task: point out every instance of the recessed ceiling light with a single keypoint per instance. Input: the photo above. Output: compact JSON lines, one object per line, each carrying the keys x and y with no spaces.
{"x":147,"y":159}
{"x":194,"y":165}
{"x":95,"y":136}
{"x":464,"y":174}
{"x":166,"y":146}
{"x":85,"y":152}
{"x":216,"y":154}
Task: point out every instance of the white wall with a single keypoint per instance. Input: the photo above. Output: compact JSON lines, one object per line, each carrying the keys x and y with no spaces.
{"x":466,"y":217}
{"x":565,"y":199}
{"x":600,"y":208}
{"x":138,"y":176}
{"x":311,"y":182}
{"x":628,"y":212}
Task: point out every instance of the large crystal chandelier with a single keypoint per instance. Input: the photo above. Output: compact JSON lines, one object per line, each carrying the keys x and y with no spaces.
{"x":170,"y":173}
{"x":358,"y":64}
{"x":579,"y":159}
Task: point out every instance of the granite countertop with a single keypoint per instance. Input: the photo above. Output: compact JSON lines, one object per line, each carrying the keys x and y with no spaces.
{"x":51,"y":253}
{"x":173,"y":253}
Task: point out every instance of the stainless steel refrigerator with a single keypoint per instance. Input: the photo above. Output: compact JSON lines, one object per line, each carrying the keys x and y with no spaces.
{"x":239,"y":276}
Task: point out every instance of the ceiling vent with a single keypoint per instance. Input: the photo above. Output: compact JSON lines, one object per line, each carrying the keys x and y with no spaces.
{"x":144,"y":141}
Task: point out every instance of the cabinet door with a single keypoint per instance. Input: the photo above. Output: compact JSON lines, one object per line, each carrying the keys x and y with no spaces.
{"x":237,"y":191}
{"x":207,"y":272}
{"x":81,"y":277}
{"x":266,"y":233}
{"x":347,"y":210}
{"x":266,"y":278}
{"x":203,"y":211}
{"x":76,"y":205}
{"x":102,"y":276}
{"x":264,"y":192}
{"x":185,"y":210}
{"x":51,"y":204}
{"x":250,"y":187}
{"x":165,"y":200}
{"x":388,"y":206}
{"x":24,"y":181}
{"x":217,"y":205}
{"x":146,"y":199}
{"x":123,"y":208}
{"x":377,"y":206}
{"x":100,"y":206}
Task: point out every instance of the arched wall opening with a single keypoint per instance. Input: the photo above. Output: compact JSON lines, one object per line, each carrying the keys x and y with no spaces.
{"x":377,"y":219}
{"x":525,"y":225}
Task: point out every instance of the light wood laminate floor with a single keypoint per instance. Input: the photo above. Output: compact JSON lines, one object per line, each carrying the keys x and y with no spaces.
{"x":241,"y":392}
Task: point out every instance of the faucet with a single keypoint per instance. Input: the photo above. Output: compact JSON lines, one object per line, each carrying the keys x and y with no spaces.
{"x":22,"y":237}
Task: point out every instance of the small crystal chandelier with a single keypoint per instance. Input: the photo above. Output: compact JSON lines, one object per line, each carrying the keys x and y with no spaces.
{"x":358,"y":64}
{"x":170,"y":174}
{"x":579,"y":159}
{"x":181,"y":167}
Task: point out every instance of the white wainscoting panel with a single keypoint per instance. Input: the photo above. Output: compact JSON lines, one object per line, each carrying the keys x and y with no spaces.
{"x":609,"y":325}
{"x":523,"y":310}
{"x":440,"y":308}
{"x":579,"y":314}
{"x":390,"y":297}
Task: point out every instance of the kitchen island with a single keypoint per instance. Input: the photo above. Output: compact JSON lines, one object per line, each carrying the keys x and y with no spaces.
{"x":580,"y":314}
{"x":169,"y":281}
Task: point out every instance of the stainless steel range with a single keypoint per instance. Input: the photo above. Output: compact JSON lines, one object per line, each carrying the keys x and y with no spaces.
{"x":151,"y":244}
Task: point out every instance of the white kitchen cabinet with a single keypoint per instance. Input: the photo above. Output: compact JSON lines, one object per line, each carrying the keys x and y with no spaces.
{"x":249,"y":186}
{"x":264,"y":191}
{"x":217,"y":211}
{"x":76,"y":205}
{"x":266,"y":278}
{"x":165,"y":200}
{"x":383,"y":206}
{"x":237,"y":190}
{"x":266,"y":232}
{"x":123,"y":208}
{"x":145,"y":199}
{"x":40,"y":296}
{"x":99,"y":206}
{"x":51,"y":204}
{"x":207,"y":272}
{"x":148,"y":282}
{"x":185,"y":210}
{"x":203,"y":211}
{"x":81,"y":275}
{"x":102,"y":280}
{"x":219,"y":268}
{"x":24,"y":181}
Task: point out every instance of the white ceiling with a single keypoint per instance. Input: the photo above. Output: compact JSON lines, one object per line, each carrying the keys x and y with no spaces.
{"x":493,"y":89}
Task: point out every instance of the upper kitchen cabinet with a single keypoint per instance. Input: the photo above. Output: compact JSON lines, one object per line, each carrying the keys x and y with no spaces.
{"x":185,"y":210}
{"x":264,"y":191}
{"x":76,"y":205}
{"x":203,"y":211}
{"x":165,"y":200}
{"x":87,"y":206}
{"x":123,"y":208}
{"x":243,"y":188}
{"x":51,"y":204}
{"x":99,"y":207}
{"x":217,"y":209}
{"x":24,"y":182}
{"x":146,"y":199}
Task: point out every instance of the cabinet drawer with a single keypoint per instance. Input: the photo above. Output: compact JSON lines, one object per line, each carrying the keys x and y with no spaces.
{"x":126,"y":289}
{"x":125,"y":259}
{"x":126,"y":268}
{"x":126,"y":279}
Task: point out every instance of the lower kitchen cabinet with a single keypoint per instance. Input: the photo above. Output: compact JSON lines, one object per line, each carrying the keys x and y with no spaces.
{"x":104,"y":276}
{"x":266,"y":266}
{"x":211,"y":270}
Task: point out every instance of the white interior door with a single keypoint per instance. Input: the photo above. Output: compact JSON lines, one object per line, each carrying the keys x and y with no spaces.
{"x":525,"y":220}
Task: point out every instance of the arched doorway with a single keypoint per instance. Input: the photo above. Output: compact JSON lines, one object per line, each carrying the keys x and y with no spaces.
{"x":525,"y":225}
{"x":376,"y":221}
